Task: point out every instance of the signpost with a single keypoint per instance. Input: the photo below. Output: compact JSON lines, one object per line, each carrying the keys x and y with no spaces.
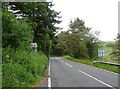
{"x":34,"y":46}
{"x":101,"y":53}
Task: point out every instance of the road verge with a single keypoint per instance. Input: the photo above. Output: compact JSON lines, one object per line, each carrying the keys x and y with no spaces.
{"x":91,"y":63}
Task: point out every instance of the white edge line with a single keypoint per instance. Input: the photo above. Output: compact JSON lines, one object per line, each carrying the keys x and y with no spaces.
{"x":69,"y":65}
{"x":49,"y":69}
{"x":96,"y":79}
{"x":49,"y":79}
{"x":49,"y":83}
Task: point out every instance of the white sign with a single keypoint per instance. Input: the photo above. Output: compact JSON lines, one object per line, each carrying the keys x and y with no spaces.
{"x":101,"y":52}
{"x":33,"y":45}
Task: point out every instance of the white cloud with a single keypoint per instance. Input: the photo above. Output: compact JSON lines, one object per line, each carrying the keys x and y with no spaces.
{"x":98,"y":14}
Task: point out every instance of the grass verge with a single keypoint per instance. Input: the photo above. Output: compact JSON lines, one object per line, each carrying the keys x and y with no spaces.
{"x":99,"y":65}
{"x":22,"y":68}
{"x":41,"y":80}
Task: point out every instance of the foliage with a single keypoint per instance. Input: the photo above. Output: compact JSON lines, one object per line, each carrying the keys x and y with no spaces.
{"x":116,"y":49}
{"x":15,"y":33}
{"x":78,"y":41}
{"x":21,"y":67}
{"x":108,"y":47}
{"x":43,"y":16}
{"x":68,"y":57}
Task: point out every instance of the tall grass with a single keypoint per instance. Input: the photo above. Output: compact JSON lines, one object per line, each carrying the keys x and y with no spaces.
{"x":21,"y":68}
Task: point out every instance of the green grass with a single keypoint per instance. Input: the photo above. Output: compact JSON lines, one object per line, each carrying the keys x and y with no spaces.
{"x":22,"y":68}
{"x":99,"y":65}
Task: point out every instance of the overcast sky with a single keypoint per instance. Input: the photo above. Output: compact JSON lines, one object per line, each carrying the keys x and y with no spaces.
{"x":100,"y":15}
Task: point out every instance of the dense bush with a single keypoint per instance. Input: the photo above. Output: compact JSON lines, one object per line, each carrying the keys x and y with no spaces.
{"x":21,"y":68}
{"x":15,"y":33}
{"x":68,"y":57}
{"x":20,"y":65}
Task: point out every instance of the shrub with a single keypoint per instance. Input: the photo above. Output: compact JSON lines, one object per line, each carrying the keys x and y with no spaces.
{"x":68,"y":57}
{"x":21,"y":68}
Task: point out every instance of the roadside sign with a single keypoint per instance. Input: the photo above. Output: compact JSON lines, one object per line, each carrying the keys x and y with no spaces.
{"x":101,"y":52}
{"x":34,"y":46}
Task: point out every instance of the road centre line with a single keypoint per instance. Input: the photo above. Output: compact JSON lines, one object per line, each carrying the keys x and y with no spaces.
{"x":62,"y":61}
{"x":97,"y":79}
{"x":68,"y":64}
{"x":94,"y":77}
{"x":101,"y":69}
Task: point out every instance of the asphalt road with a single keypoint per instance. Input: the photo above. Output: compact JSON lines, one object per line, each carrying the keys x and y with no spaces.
{"x":66,"y":73}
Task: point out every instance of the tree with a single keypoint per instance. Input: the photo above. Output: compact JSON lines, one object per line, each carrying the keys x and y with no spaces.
{"x":15,"y":33}
{"x":78,"y":34}
{"x":62,"y":43}
{"x":116,"y":49}
{"x":42,"y":15}
{"x":78,"y":41}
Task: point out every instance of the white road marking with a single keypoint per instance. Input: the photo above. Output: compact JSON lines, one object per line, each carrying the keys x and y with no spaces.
{"x":97,"y":79}
{"x":68,"y":64}
{"x":62,"y":61}
{"x":49,"y":83}
{"x":49,"y":69}
{"x":49,"y":79}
